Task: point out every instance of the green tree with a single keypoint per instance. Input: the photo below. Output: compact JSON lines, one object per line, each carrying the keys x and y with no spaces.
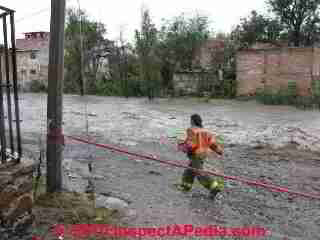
{"x":182,"y":36}
{"x":311,"y":32}
{"x":257,"y":28}
{"x":298,"y":16}
{"x":122,"y":77}
{"x":146,"y":44}
{"x":88,"y":55}
{"x":179,"y":39}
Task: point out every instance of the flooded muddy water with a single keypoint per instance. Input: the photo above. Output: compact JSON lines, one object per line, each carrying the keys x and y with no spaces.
{"x":266,"y":143}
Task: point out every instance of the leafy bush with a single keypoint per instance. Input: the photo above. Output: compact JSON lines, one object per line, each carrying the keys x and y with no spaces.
{"x":37,"y":86}
{"x":265,"y":96}
{"x":115,"y":87}
{"x":315,"y":86}
{"x":292,"y":92}
{"x":304,"y":102}
{"x":108,"y":87}
{"x":133,"y":88}
{"x":289,"y":96}
{"x":281,"y":97}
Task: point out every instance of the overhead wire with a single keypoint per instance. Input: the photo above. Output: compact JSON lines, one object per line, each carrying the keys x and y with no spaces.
{"x":33,"y":14}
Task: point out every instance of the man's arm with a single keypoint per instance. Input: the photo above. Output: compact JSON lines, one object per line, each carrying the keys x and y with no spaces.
{"x":215,"y":146}
{"x":188,"y":145}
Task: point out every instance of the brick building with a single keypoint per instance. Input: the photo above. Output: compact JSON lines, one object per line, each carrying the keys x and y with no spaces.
{"x":274,"y":67}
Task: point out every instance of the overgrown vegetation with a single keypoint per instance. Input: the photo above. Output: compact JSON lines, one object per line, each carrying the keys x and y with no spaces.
{"x":147,"y":67}
{"x":179,"y":39}
{"x":85,"y":49}
{"x":256,"y":28}
{"x":146,"y":44}
{"x":300,"y":20}
{"x":295,"y":22}
{"x":37,"y":86}
{"x":289,"y":96}
{"x":66,"y":208}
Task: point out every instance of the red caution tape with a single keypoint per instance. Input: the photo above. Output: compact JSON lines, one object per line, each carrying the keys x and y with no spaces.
{"x":55,"y":136}
{"x":246,"y":181}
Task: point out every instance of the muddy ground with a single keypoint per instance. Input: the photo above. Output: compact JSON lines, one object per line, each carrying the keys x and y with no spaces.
{"x":275,"y":144}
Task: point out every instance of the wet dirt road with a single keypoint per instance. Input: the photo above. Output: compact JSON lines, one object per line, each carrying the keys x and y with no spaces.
{"x":250,"y":131}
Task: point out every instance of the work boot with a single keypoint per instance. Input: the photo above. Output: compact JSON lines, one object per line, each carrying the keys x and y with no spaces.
{"x":213,"y":193}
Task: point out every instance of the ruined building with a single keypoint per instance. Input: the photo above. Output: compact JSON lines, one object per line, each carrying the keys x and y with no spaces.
{"x":199,"y":79}
{"x":33,"y":58}
{"x":274,"y":67}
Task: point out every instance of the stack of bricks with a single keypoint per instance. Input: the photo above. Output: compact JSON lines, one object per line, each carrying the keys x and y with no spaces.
{"x":16,"y":198}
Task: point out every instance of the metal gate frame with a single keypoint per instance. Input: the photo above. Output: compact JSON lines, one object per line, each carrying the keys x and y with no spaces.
{"x":11,"y":148}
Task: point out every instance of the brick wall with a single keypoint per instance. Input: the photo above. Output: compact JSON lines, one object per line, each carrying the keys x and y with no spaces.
{"x":275,"y":67}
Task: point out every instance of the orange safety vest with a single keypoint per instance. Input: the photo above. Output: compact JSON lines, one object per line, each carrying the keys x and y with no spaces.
{"x":200,"y":140}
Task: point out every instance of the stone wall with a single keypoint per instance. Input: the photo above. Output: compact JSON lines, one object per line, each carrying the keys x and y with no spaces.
{"x":275,"y":67}
{"x":16,"y":195}
{"x":190,"y":83}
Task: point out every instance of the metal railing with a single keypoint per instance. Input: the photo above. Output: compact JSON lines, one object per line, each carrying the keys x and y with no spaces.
{"x":10,"y":135}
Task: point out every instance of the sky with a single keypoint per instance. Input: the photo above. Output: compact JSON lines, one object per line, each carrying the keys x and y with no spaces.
{"x":126,"y":14}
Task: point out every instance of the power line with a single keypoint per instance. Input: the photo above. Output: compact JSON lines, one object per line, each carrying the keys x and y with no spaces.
{"x":33,"y":14}
{"x":36,"y":13}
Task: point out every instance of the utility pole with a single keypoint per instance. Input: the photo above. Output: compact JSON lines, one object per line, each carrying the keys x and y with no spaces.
{"x":55,"y":89}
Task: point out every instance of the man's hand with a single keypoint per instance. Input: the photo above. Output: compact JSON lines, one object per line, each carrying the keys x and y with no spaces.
{"x":217,"y":148}
{"x":184,"y":147}
{"x":220,"y":150}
